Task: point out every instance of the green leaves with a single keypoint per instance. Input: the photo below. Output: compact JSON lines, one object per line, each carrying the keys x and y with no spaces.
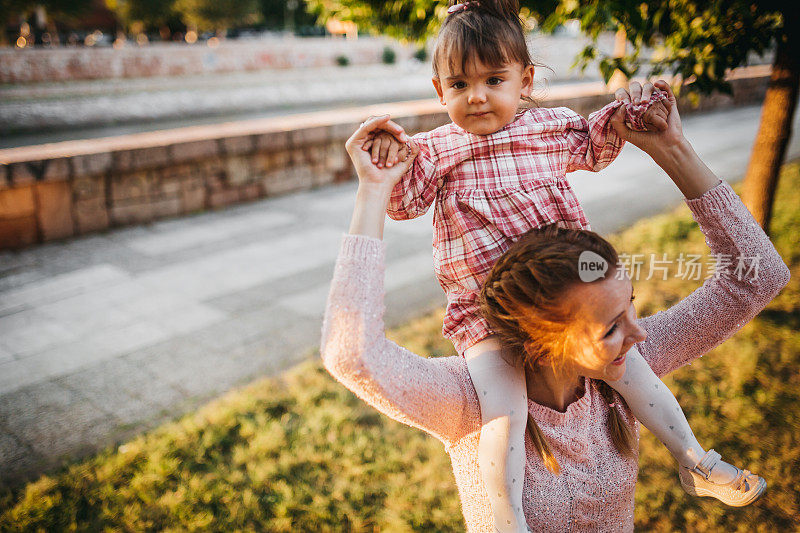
{"x":609,"y":65}
{"x":152,"y":13}
{"x":406,"y":20}
{"x":698,"y":40}
{"x":217,"y":14}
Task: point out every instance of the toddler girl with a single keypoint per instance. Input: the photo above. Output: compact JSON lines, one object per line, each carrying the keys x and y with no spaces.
{"x":495,"y":173}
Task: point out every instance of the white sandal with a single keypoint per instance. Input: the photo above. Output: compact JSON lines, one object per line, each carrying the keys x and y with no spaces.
{"x":743,"y":490}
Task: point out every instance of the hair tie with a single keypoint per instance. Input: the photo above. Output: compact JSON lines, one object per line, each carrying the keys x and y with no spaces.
{"x":455,"y":8}
{"x":612,"y":404}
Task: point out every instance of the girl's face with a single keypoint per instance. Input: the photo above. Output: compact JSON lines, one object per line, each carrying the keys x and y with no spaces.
{"x":606,"y":327}
{"x":484,"y":99}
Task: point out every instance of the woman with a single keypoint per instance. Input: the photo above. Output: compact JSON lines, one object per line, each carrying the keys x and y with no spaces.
{"x":567,"y":407}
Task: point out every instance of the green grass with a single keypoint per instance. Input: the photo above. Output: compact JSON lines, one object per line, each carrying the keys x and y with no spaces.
{"x":300,"y":453}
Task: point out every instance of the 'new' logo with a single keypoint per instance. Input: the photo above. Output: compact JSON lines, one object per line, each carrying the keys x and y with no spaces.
{"x":591,"y":266}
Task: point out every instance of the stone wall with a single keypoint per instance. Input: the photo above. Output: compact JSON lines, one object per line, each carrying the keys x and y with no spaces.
{"x":73,"y":188}
{"x":180,"y":59}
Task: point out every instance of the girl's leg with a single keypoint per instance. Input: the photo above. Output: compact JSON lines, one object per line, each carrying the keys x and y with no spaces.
{"x":656,"y":407}
{"x":501,"y":451}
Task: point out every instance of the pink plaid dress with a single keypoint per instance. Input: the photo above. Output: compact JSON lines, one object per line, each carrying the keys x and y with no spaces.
{"x":490,"y":189}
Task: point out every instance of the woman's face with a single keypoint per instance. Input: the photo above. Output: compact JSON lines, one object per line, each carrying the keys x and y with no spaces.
{"x":605,"y":326}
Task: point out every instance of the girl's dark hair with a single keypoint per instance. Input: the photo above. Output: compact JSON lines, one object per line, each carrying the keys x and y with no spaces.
{"x":489,"y":30}
{"x":522,"y":299}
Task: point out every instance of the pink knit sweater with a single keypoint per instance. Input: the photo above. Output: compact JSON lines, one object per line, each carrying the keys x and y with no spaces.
{"x":595,"y":488}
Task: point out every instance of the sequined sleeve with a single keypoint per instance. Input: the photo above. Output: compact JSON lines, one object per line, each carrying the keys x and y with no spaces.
{"x":593,"y":144}
{"x":425,"y":393}
{"x":750,"y":274}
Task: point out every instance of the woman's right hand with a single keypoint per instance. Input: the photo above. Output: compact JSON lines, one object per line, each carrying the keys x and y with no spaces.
{"x":368,"y":173}
{"x":375,"y":184}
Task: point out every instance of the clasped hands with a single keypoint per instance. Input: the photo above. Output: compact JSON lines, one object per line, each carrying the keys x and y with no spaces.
{"x":383,"y":177}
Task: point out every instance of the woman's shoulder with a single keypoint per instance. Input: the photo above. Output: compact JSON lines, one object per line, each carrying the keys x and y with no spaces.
{"x":470,"y":419}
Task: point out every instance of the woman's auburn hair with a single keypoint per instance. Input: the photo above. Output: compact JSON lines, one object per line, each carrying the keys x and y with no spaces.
{"x":490,"y":30}
{"x":522,"y":299}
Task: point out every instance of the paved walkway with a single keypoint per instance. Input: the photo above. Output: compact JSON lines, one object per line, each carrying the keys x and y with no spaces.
{"x":105,"y":336}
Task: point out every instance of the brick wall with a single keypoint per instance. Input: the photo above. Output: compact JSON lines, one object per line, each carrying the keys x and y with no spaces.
{"x":178,"y":59}
{"x":73,"y":188}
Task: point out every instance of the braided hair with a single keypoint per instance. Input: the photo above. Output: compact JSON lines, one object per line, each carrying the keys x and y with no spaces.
{"x":522,"y":299}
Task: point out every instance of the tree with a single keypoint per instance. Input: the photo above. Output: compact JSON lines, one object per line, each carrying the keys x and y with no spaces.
{"x":65,"y":10}
{"x":69,"y":9}
{"x":697,"y":40}
{"x":218,"y":15}
{"x":402,"y":19}
{"x":285,"y":14}
{"x":151,"y":13}
{"x":9,"y":10}
{"x":775,"y":128}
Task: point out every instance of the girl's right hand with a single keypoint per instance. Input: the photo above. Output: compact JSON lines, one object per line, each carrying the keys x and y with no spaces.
{"x":369,"y":174}
{"x":385,"y":149}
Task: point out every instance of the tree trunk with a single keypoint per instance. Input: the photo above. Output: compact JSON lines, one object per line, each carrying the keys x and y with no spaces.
{"x":775,"y":128}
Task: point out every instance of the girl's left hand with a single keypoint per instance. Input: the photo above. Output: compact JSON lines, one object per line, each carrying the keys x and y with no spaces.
{"x":662,"y":138}
{"x":638,"y":93}
{"x":369,"y":174}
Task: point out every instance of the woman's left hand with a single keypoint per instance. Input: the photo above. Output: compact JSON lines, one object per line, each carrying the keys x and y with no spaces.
{"x":368,"y":174}
{"x":661,"y":139}
{"x":669,"y":148}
